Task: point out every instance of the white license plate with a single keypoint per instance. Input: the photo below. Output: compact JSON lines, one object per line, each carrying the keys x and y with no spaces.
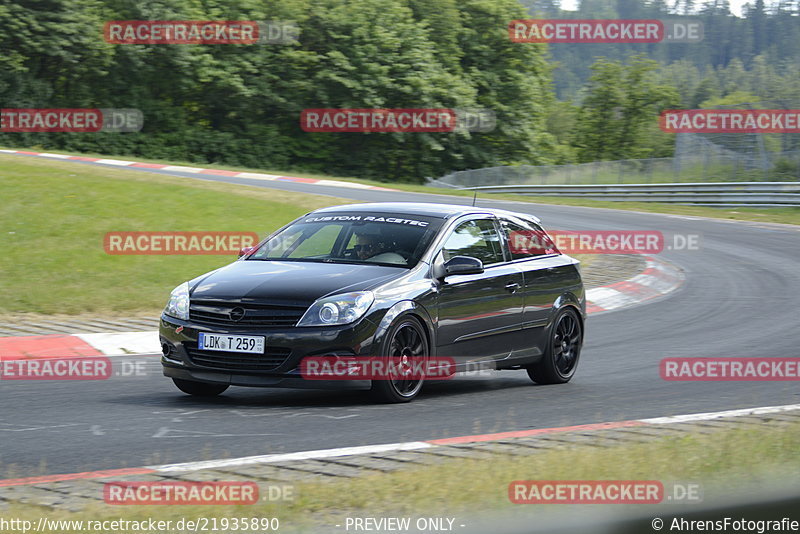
{"x":231,"y":343}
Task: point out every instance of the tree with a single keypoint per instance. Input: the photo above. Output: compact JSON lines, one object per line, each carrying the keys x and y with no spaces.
{"x":621,"y":101}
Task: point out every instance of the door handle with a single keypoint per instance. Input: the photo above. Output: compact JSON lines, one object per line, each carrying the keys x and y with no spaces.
{"x":512,"y":287}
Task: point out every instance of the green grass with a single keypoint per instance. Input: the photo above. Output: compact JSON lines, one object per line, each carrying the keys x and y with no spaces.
{"x":54,"y":215}
{"x":723,"y":462}
{"x":140,"y":159}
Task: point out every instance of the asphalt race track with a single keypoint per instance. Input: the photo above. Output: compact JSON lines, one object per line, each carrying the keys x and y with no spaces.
{"x":739,"y":299}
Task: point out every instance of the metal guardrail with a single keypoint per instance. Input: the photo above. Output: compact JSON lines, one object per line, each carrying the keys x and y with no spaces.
{"x":722,"y":194}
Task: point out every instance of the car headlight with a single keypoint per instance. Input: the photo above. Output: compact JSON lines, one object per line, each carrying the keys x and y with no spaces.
{"x":338,"y":309}
{"x":178,"y":305}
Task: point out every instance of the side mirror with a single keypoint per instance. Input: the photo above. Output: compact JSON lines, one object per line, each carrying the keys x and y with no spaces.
{"x":463,"y":265}
{"x":246,"y":250}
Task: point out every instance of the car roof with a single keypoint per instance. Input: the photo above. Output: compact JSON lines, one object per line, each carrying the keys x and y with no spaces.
{"x":443,"y":211}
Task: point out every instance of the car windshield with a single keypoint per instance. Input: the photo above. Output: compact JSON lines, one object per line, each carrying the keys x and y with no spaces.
{"x":386,"y":239}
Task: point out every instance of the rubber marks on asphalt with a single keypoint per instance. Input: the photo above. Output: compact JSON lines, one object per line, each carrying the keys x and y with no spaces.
{"x":198,"y":170}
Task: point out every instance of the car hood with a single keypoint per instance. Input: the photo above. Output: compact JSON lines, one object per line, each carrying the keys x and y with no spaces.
{"x":296,"y":281}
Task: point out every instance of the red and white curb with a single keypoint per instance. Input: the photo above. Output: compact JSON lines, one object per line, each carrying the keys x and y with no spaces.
{"x":389,"y":447}
{"x":199,"y":170}
{"x":79,"y":345}
{"x":658,"y":279}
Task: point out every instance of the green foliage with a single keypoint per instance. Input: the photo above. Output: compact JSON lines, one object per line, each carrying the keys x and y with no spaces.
{"x":622,"y":101}
{"x":240,"y":105}
{"x":737,"y":99}
{"x":771,"y":33}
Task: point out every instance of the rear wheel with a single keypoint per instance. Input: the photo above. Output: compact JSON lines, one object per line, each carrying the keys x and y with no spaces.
{"x":407,"y":347}
{"x":562,"y":352}
{"x":200,"y":389}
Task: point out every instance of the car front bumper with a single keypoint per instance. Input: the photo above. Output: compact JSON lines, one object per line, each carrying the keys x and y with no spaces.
{"x":179,"y":352}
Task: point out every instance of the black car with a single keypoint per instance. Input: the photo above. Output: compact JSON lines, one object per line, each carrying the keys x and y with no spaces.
{"x":473,"y":286}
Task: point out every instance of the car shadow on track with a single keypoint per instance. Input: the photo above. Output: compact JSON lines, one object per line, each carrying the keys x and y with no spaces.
{"x":312,"y":398}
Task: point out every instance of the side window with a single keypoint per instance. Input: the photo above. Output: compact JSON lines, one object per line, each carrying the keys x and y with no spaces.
{"x":526,"y":240}
{"x":478,"y":239}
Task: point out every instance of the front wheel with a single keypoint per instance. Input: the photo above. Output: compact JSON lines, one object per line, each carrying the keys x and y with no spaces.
{"x":199,"y":389}
{"x":407,"y":348}
{"x":562,"y":352}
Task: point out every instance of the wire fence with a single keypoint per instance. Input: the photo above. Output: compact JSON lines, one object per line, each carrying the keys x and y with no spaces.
{"x":698,"y":158}
{"x":707,"y":166}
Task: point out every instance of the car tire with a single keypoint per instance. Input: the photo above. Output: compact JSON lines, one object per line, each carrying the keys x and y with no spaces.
{"x":199,"y":389}
{"x":562,"y":352}
{"x":406,"y":338}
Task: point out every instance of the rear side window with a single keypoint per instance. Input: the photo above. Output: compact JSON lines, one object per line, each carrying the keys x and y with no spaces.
{"x":477,"y":239}
{"x":526,"y":239}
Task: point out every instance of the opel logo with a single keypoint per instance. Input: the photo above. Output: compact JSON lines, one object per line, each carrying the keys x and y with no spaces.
{"x":236,"y":314}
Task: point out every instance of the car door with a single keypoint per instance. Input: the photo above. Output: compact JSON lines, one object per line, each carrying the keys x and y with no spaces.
{"x":546,"y":274}
{"x":479,"y":315}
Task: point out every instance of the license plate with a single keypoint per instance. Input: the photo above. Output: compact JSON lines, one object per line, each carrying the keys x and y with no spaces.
{"x":231,"y":343}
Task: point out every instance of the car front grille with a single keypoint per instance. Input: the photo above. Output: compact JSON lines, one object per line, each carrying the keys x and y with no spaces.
{"x":272,"y":358}
{"x":254,"y":315}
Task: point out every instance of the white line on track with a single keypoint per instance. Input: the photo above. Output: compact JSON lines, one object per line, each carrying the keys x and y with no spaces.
{"x":419,"y":445}
{"x":292,"y":456}
{"x":718,"y":415}
{"x":118,"y":162}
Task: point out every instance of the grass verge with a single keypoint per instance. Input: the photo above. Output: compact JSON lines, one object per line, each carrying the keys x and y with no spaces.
{"x":54,"y":215}
{"x":787,"y":215}
{"x":721,"y":461}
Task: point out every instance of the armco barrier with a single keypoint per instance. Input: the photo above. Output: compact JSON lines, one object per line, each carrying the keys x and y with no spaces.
{"x":755,"y":194}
